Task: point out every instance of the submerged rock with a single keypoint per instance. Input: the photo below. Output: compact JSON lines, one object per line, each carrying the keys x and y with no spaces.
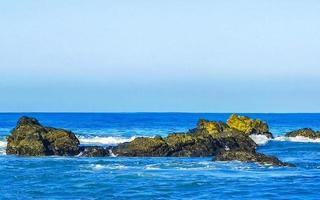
{"x":94,"y":151}
{"x":30,"y":138}
{"x":249,"y":126}
{"x":305,"y":132}
{"x":245,"y":156}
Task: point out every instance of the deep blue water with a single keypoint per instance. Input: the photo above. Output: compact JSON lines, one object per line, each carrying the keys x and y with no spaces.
{"x":159,"y":178}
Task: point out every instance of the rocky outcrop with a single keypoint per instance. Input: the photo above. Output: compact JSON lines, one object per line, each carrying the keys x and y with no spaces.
{"x":226,"y":141}
{"x":245,"y":156}
{"x":30,"y":138}
{"x":305,"y":132}
{"x":249,"y":126}
{"x":94,"y":151}
{"x":208,"y":139}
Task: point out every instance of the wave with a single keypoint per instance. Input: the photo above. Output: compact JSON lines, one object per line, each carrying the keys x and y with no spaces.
{"x":260,"y":139}
{"x":296,"y":139}
{"x":3,"y":146}
{"x":110,"y":140}
{"x":97,"y":167}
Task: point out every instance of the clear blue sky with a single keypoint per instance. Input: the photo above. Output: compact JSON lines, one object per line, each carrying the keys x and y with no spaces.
{"x":161,"y":55}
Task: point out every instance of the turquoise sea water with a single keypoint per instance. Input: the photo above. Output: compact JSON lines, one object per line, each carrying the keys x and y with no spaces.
{"x":159,"y":178}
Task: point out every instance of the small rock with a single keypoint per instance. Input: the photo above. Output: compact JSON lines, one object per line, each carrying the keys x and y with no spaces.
{"x":305,"y":132}
{"x":245,"y":156}
{"x":94,"y":151}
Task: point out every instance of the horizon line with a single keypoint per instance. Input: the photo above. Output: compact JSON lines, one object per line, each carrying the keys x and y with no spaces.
{"x":142,"y":112}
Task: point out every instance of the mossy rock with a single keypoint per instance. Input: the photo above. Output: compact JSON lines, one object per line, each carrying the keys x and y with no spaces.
{"x":30,"y":138}
{"x":142,"y":146}
{"x":212,"y":127}
{"x":249,"y":126}
{"x":196,"y":143}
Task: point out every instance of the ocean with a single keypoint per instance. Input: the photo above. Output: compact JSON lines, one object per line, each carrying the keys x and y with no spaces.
{"x":159,"y":178}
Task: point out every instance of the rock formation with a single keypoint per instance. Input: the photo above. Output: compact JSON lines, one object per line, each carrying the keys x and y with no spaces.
{"x":32,"y":139}
{"x":226,"y":141}
{"x":305,"y":132}
{"x":249,"y":126}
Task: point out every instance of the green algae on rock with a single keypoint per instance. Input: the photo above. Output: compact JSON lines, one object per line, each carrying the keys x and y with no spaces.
{"x":32,"y":139}
{"x":249,"y":126}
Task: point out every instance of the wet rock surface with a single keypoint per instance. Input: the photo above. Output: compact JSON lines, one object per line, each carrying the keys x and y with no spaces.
{"x":94,"y":151}
{"x":245,"y":156}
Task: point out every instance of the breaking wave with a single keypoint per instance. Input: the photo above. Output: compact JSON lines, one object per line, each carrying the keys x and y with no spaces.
{"x":260,"y":139}
{"x":296,"y":139}
{"x":110,"y":140}
{"x":3,"y":146}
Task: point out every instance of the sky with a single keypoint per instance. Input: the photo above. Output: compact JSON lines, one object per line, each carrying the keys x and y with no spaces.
{"x":160,"y":56}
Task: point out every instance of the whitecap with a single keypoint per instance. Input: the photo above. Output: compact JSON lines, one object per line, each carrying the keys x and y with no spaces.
{"x":297,"y":139}
{"x":3,"y":146}
{"x":152,"y":167}
{"x":260,"y":139}
{"x":97,"y":167}
{"x":112,"y":154}
{"x":110,"y":140}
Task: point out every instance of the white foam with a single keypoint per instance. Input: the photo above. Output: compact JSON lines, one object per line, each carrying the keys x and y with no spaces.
{"x":104,"y":140}
{"x":260,"y":139}
{"x":297,"y":139}
{"x":152,"y":167}
{"x":3,"y":146}
{"x":97,"y":167}
{"x":111,"y":153}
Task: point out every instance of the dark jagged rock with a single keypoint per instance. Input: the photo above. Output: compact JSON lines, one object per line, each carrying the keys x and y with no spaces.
{"x":30,"y":138}
{"x":305,"y":132}
{"x":245,"y":156}
{"x":94,"y":151}
{"x":249,"y":126}
{"x":208,"y":139}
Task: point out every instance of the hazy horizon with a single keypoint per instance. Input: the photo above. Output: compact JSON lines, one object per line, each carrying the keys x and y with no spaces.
{"x":160,"y":56}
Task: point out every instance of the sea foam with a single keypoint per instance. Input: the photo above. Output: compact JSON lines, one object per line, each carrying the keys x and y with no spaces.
{"x":260,"y":139}
{"x":3,"y":146}
{"x":96,"y":140}
{"x":296,"y":139}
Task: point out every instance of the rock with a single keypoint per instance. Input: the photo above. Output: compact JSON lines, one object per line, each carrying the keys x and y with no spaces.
{"x":249,"y":126}
{"x":30,"y":138}
{"x":201,"y":141}
{"x":305,"y":132}
{"x":212,"y":127}
{"x":245,"y":156}
{"x":94,"y":151}
{"x":141,"y":147}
